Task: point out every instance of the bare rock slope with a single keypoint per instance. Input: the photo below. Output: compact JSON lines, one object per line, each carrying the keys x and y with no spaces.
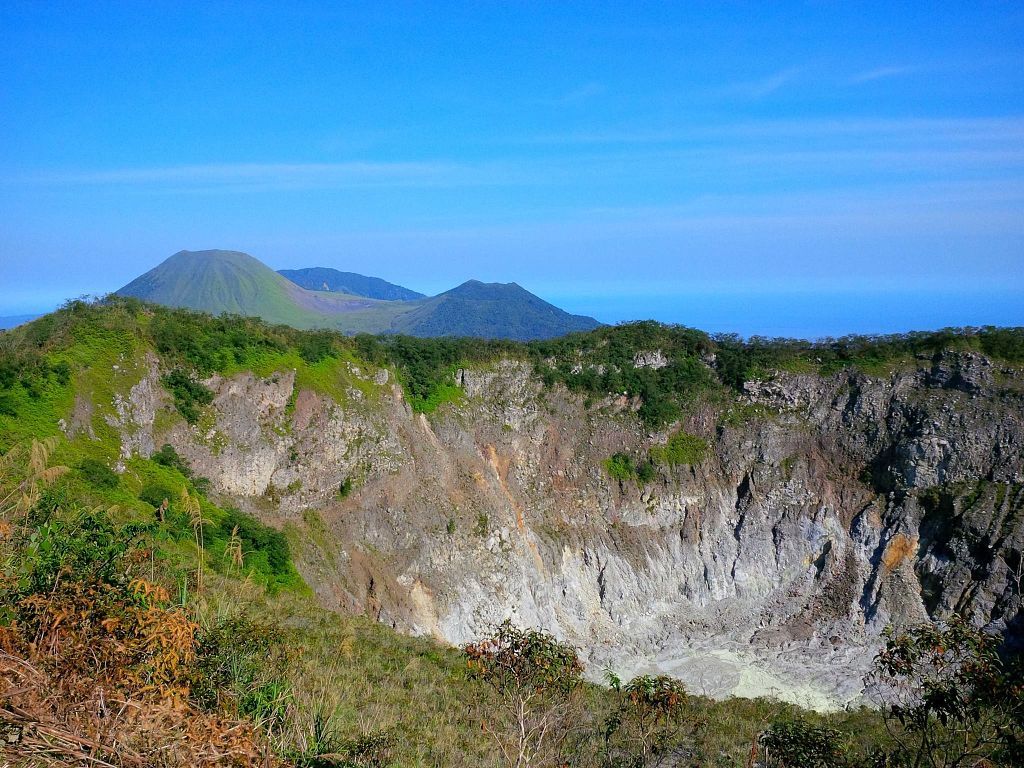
{"x":825,"y":509}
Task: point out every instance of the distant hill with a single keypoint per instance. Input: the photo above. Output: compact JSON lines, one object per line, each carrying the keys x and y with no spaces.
{"x":233,"y":282}
{"x":491,"y":310}
{"x":327,"y":279}
{"x":218,"y":282}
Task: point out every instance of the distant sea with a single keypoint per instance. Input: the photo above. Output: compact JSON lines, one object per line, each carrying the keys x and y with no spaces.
{"x":795,"y":314}
{"x":808,"y":314}
{"x":10,"y":321}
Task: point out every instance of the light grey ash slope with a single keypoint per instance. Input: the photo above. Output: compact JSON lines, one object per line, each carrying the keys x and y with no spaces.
{"x":845,"y":504}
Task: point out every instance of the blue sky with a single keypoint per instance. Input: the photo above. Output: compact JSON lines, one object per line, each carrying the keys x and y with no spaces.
{"x":801,"y":168}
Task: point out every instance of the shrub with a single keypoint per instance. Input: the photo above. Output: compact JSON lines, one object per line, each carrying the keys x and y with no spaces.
{"x":240,"y":668}
{"x":682,"y":449}
{"x":96,"y":662}
{"x":98,"y":474}
{"x":265,"y":550}
{"x":647,"y":725}
{"x":798,"y":744}
{"x":168,"y":457}
{"x":439,"y":394}
{"x":156,"y":493}
{"x":620,"y":467}
{"x":189,"y":395}
{"x":645,"y":472}
{"x":7,"y":407}
{"x":208,"y":344}
{"x":369,"y":750}
{"x":538,"y":681}
{"x":85,"y":544}
{"x":315,"y":346}
{"x":951,"y":696}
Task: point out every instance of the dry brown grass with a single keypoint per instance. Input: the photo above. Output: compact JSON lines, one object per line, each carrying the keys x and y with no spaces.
{"x":92,"y":676}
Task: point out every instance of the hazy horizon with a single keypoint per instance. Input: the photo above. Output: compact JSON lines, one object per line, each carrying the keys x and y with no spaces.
{"x":810,"y":313}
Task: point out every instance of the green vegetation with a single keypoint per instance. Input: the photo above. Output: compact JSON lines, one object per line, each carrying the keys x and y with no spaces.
{"x":620,"y":467}
{"x":427,"y":367}
{"x":35,"y":359}
{"x":168,"y":457}
{"x":738,"y":361}
{"x":440,"y":394}
{"x":207,"y":344}
{"x":161,"y":594}
{"x":267,"y":559}
{"x":682,"y":448}
{"x":954,"y":700}
{"x":799,"y":743}
{"x":98,"y":474}
{"x":623,"y":468}
{"x":190,"y":396}
{"x":602,"y":362}
{"x":957,"y":703}
{"x":538,"y":686}
{"x":649,"y":723}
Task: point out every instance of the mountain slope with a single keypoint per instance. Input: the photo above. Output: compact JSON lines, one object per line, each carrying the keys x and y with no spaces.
{"x":491,"y":310}
{"x":327,"y":279}
{"x":232,"y":282}
{"x":217,"y":282}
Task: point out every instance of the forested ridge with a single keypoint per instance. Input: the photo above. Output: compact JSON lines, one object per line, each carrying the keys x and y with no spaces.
{"x":594,"y":363}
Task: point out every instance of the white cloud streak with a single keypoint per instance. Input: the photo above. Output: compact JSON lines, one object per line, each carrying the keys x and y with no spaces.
{"x":584,"y":93}
{"x":819,"y":154}
{"x":881,"y":73}
{"x":274,"y":174}
{"x":759,"y":89}
{"x":999,"y":129}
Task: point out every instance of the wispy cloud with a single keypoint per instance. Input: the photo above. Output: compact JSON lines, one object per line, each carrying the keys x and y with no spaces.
{"x":708,"y":157}
{"x":285,"y":175}
{"x":881,"y":73}
{"x":765,"y":86}
{"x":837,"y":131}
{"x":583,"y":93}
{"x":941,"y":200}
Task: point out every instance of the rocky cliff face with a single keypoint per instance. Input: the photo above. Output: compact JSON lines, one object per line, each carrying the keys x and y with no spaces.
{"x":825,"y":509}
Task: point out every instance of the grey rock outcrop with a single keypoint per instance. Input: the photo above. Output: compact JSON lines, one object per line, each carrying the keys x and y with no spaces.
{"x":848,"y":503}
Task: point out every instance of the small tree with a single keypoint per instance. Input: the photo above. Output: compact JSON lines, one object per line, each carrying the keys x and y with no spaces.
{"x":950,"y":699}
{"x":798,"y":744}
{"x":645,"y":728}
{"x":538,"y":681}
